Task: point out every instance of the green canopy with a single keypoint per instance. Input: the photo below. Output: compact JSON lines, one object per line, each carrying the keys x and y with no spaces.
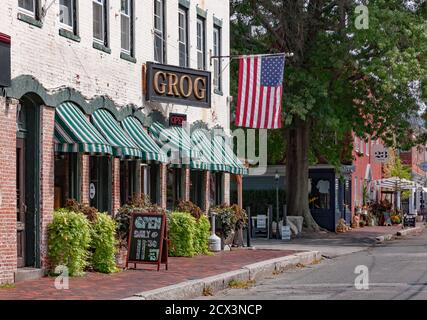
{"x":123,"y":145}
{"x":74,"y":132}
{"x":150,"y":150}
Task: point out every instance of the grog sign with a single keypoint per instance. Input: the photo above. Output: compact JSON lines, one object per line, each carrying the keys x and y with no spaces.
{"x":178,"y":85}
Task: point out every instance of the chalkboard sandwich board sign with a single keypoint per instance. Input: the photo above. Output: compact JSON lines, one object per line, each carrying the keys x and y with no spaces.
{"x":147,"y":239}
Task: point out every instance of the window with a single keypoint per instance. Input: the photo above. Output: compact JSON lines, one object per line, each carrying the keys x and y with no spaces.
{"x":183,"y":37}
{"x":127,"y":26}
{"x":356,"y":144}
{"x":67,"y":14}
{"x":217,"y":62}
{"x":29,"y":7}
{"x":159,"y":31}
{"x":201,"y":44}
{"x":367,"y":148}
{"x":100,"y":10}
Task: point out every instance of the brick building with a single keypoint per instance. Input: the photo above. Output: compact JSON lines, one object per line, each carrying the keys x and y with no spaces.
{"x":93,"y":86}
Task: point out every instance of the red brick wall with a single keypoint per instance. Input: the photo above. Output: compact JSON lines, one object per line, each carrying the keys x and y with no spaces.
{"x":47,"y":174}
{"x":84,"y":179}
{"x":163,"y":186}
{"x":8,"y":251}
{"x":207,"y":190}
{"x":116,"y":186}
{"x":187,"y":184}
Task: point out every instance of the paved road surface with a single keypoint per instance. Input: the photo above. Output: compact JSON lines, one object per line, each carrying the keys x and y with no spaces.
{"x":397,"y":270}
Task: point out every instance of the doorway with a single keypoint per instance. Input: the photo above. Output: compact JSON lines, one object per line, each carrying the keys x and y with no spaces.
{"x":100,"y":168}
{"x":28,"y":181}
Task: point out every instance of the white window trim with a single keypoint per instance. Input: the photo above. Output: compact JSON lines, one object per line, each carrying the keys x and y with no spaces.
{"x":122,"y":13}
{"x":100,"y":41}
{"x":28,"y":12}
{"x":66,"y":26}
{"x":184,"y":13}
{"x":202,"y":24}
{"x":159,"y":32}
{"x":217,"y":76}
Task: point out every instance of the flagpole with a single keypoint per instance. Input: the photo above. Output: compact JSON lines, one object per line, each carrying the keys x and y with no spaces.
{"x":238,"y":56}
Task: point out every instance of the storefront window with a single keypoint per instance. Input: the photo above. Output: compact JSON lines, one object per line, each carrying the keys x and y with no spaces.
{"x":174,"y":187}
{"x":128,"y":181}
{"x":320,"y":195}
{"x":150,"y":182}
{"x":100,"y":168}
{"x":67,"y":178}
{"x":215,"y":188}
{"x":197,"y":188}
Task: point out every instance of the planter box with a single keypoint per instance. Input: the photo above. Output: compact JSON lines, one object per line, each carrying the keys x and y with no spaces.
{"x":121,"y":257}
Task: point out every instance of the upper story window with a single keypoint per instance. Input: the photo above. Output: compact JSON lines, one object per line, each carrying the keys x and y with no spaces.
{"x":127,"y":17}
{"x":159,"y":31}
{"x":367,"y":148}
{"x":217,"y":62}
{"x":29,"y":7}
{"x":100,"y":20}
{"x":201,"y":44}
{"x":356,"y":144}
{"x":183,"y":36}
{"x":67,"y":15}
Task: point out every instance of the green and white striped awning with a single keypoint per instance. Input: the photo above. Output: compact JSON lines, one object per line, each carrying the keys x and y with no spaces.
{"x":123,"y":145}
{"x":74,"y":132}
{"x":217,"y":155}
{"x":175,"y":142}
{"x":150,"y":150}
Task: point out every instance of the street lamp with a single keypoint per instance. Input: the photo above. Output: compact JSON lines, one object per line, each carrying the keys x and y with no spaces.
{"x":277,"y":177}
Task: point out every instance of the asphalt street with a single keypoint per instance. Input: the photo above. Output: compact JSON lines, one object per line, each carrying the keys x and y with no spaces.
{"x":394,"y":270}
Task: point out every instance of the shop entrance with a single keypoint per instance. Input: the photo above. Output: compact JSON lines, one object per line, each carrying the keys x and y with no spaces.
{"x":100,"y":183}
{"x":27,"y":182}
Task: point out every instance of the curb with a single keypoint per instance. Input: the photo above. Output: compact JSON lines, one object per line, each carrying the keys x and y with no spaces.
{"x":410,"y":231}
{"x":256,"y":271}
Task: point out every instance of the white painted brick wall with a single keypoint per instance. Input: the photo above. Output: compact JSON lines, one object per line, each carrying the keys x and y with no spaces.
{"x":59,"y":62}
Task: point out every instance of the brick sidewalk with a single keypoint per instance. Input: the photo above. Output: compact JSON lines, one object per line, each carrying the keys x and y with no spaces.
{"x":95,"y":286}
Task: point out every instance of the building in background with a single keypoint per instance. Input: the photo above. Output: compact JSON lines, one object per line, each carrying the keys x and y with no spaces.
{"x":93,"y":84}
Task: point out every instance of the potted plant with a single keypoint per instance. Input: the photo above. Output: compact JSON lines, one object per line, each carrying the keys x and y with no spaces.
{"x":362,"y":223}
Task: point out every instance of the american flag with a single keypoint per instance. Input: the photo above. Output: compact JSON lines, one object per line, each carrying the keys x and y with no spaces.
{"x":259,"y":99}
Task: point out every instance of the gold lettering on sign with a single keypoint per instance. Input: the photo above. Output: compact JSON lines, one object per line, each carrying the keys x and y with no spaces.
{"x":160,"y":87}
{"x":200,"y":92}
{"x":189,"y":87}
{"x":173,"y":85}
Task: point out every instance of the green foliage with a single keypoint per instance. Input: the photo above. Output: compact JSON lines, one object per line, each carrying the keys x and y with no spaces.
{"x":182,"y":232}
{"x":227,"y":218}
{"x":201,"y":239}
{"x":69,"y":239}
{"x":190,"y":207}
{"x":103,"y":244}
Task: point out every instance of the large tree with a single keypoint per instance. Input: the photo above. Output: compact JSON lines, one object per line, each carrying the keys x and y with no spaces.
{"x":354,"y":69}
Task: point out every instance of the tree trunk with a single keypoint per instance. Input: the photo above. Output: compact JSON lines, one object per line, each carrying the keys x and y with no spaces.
{"x":297,"y":173}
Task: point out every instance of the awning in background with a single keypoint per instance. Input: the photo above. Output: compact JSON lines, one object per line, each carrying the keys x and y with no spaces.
{"x":74,"y":132}
{"x":150,"y":150}
{"x":123,"y":145}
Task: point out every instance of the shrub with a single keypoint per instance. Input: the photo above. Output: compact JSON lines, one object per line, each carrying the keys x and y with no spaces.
{"x":103,"y":244}
{"x":201,"y":239}
{"x":190,"y":207}
{"x":68,"y":241}
{"x":182,"y":231}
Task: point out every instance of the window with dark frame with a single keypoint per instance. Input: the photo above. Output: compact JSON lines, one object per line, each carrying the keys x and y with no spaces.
{"x":29,"y":7}
{"x":127,"y":20}
{"x":201,"y":43}
{"x":183,"y":36}
{"x":100,"y":21}
{"x":68,"y":15}
{"x":217,"y":62}
{"x":159,"y":31}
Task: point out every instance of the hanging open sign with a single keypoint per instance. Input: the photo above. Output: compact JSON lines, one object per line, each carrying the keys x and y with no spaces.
{"x":177,"y":119}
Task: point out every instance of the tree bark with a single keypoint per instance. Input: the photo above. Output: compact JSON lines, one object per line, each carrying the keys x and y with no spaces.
{"x":297,"y":173}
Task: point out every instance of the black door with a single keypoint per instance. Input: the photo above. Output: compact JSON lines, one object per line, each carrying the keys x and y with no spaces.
{"x":100,"y":183}
{"x":322,"y":197}
{"x":21,"y":208}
